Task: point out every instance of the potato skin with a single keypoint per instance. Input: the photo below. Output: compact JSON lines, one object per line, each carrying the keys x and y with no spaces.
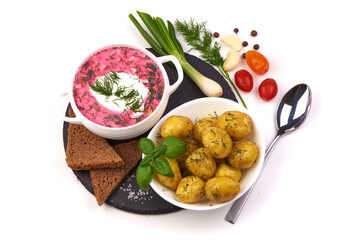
{"x":201,"y":164}
{"x":177,"y":126}
{"x":190,"y":189}
{"x":243,"y":155}
{"x":221,"y":189}
{"x":201,"y":125}
{"x":170,"y":182}
{"x":217,"y":141}
{"x":192,"y":145}
{"x":224,"y":170}
{"x":237,"y":124}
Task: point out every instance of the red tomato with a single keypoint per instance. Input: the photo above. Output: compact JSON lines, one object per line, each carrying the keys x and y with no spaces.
{"x":257,"y":62}
{"x":244,"y":80}
{"x":268,"y":89}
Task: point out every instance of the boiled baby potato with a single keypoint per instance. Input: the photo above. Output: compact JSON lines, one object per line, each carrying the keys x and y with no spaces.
{"x":220,"y":160}
{"x":217,"y":141}
{"x":190,"y":189}
{"x":243,"y":155}
{"x":224,"y":170}
{"x":201,"y":164}
{"x":171,"y":182}
{"x":221,"y":189}
{"x":201,"y":125}
{"x":192,"y":145}
{"x":237,"y":124}
{"x":177,"y":126}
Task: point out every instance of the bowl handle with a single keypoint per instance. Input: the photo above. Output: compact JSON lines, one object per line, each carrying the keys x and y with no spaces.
{"x":174,"y":60}
{"x":74,"y":120}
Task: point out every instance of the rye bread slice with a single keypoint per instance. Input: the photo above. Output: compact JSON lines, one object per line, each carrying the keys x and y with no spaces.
{"x":105,"y":181}
{"x":86,"y":150}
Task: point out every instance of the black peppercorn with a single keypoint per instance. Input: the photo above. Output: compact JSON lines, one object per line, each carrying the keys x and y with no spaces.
{"x":255,"y":46}
{"x":244,"y":43}
{"x":244,"y":55}
{"x":236,"y":30}
{"x":216,"y":34}
{"x":254,"y":33}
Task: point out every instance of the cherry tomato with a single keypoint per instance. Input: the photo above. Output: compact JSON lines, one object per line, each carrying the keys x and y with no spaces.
{"x":268,"y":89}
{"x":257,"y":62}
{"x":243,"y":80}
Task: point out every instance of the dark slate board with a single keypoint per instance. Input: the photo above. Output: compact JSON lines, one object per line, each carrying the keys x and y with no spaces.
{"x":128,"y":196}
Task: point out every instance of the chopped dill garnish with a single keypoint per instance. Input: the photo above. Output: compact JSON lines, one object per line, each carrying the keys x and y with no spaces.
{"x":104,"y":87}
{"x":223,"y":143}
{"x":214,"y":133}
{"x":238,"y":151}
{"x":215,"y":142}
{"x":120,"y":91}
{"x":129,"y":95}
{"x":85,"y":65}
{"x":113,"y":76}
{"x":135,"y":105}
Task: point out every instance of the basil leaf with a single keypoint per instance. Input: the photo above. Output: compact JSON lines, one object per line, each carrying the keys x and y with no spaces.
{"x":144,"y":176}
{"x":163,"y":167}
{"x":146,"y":161}
{"x":158,"y":151}
{"x":146,"y":145}
{"x":175,"y":147}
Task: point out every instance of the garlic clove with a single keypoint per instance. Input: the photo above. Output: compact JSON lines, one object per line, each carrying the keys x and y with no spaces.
{"x":232,"y":60}
{"x":232,"y":41}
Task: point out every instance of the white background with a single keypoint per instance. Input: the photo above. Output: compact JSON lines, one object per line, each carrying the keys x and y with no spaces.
{"x":309,"y":188}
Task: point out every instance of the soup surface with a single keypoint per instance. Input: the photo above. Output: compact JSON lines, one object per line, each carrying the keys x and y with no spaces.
{"x":118,"y":87}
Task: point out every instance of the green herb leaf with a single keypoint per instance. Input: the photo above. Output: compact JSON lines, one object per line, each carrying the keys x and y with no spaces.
{"x":175,"y":147}
{"x":144,"y":176}
{"x":158,"y":151}
{"x":147,"y":37}
{"x":155,"y":153}
{"x":104,"y":87}
{"x":162,"y":166}
{"x":171,"y":30}
{"x":146,"y":161}
{"x":146,"y":145}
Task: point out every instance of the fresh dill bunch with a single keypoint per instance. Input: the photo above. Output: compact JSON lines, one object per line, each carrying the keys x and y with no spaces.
{"x":201,"y":39}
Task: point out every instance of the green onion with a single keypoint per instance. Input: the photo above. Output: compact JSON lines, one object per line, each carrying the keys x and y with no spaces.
{"x":164,"y":42}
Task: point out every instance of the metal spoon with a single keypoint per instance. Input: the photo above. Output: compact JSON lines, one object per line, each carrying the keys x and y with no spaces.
{"x":291,"y":113}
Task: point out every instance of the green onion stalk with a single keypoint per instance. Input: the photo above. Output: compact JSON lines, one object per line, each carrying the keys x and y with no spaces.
{"x":165,"y":42}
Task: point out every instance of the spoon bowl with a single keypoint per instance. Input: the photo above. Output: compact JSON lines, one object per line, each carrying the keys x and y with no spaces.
{"x":292,"y":111}
{"x":294,"y":108}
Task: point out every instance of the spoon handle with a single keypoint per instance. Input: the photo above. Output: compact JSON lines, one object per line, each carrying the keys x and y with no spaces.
{"x":238,"y":205}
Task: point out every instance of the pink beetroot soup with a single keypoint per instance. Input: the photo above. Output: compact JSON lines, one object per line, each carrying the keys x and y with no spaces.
{"x":105,"y":65}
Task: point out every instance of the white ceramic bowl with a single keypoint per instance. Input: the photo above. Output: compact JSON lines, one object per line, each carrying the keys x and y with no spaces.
{"x":142,"y":126}
{"x":195,"y":110}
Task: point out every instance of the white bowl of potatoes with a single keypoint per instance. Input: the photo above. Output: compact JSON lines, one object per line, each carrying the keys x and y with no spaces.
{"x":224,"y":158}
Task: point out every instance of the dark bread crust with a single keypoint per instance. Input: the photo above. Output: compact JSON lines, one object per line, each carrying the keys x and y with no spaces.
{"x":86,"y":150}
{"x":105,"y":181}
